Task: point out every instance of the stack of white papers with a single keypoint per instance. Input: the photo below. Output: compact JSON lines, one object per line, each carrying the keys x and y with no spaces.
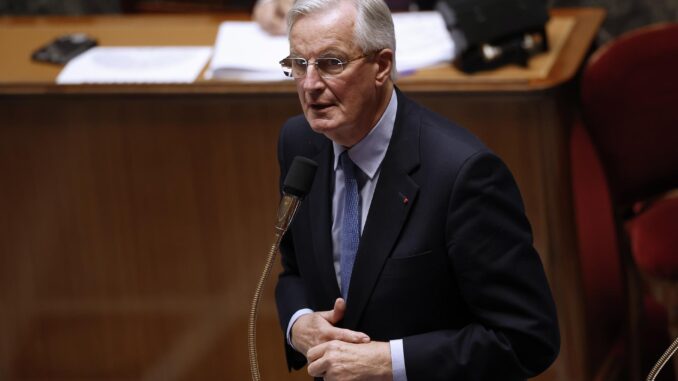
{"x":176,"y":64}
{"x":422,"y":40}
{"x":243,"y":51}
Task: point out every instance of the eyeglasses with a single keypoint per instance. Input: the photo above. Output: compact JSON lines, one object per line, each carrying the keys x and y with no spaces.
{"x":327,"y":67}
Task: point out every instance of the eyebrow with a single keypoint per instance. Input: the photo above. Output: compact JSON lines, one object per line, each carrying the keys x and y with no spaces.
{"x":330,"y":53}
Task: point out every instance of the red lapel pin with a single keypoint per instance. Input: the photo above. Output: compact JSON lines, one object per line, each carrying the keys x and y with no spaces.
{"x":405,"y":199}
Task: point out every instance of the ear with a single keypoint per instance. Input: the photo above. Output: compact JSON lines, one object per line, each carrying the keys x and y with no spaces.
{"x":384,"y":61}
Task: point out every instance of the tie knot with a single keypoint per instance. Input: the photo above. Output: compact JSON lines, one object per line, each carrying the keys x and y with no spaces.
{"x":351,"y":171}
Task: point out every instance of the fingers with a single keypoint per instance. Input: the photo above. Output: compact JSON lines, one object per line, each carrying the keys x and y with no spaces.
{"x":317,"y":352}
{"x":318,"y":363}
{"x":337,"y":360}
{"x":270,"y":16}
{"x":334,"y":317}
{"x":317,"y":368}
{"x":348,"y":336}
{"x":319,"y":327}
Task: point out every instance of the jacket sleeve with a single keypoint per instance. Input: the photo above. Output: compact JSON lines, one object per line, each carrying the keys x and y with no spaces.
{"x":514,"y":334}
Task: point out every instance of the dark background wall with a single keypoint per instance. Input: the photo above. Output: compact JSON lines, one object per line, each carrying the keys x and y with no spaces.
{"x":622,"y":15}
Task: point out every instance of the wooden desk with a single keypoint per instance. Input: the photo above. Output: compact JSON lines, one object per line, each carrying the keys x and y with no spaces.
{"x":135,"y":218}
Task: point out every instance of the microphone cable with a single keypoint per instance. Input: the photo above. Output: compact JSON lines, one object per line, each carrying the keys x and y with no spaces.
{"x":295,"y":187}
{"x":251,"y":327}
{"x":663,"y":360}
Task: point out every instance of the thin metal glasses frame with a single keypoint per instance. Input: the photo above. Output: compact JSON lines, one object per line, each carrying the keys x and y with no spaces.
{"x":326,"y":66}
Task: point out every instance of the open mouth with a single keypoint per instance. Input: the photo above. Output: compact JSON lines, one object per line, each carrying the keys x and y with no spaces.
{"x":320,"y":106}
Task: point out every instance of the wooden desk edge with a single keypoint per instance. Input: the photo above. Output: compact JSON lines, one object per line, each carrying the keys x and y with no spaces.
{"x":588,"y":21}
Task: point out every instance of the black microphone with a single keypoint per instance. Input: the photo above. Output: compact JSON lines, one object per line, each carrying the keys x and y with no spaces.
{"x":295,"y":187}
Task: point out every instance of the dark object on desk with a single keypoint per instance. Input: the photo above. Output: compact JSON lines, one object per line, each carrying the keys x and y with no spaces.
{"x":64,"y":48}
{"x":493,"y":33}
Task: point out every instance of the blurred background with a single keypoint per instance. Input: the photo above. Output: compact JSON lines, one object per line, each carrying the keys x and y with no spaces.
{"x":622,"y":15}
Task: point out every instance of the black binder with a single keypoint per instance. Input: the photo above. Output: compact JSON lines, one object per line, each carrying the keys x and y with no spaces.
{"x":494,"y":33}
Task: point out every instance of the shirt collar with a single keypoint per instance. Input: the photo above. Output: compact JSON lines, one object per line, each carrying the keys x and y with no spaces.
{"x":368,"y":153}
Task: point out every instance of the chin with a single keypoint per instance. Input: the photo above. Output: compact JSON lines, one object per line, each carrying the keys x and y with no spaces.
{"x":328,"y":128}
{"x":321,"y":123}
{"x":322,"y":126}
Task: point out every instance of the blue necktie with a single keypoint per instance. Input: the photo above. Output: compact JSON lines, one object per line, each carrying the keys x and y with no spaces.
{"x":350,"y":229}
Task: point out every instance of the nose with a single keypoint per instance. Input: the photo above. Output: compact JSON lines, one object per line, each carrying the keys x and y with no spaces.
{"x":312,"y":81}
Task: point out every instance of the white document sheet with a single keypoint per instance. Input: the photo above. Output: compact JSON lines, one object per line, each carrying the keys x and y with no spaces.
{"x":243,"y":51}
{"x":422,"y":40}
{"x":156,"y":64}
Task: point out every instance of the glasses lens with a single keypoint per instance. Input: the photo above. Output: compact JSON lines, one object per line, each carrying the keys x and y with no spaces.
{"x":299,"y":66}
{"x":294,"y":67}
{"x":330,"y":66}
{"x":286,"y":65}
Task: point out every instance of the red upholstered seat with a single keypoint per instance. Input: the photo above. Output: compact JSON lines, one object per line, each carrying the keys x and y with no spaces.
{"x":629,"y":98}
{"x":654,"y":238}
{"x":607,"y":343}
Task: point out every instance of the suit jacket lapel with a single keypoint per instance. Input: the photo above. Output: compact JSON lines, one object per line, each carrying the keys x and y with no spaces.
{"x":320,"y":209}
{"x":394,"y":197}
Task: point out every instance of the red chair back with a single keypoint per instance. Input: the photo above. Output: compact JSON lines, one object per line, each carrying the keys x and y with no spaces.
{"x":630,"y":107}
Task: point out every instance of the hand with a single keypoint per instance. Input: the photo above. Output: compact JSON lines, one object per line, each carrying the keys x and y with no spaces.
{"x":341,"y":361}
{"x":271,"y":15}
{"x":319,"y":327}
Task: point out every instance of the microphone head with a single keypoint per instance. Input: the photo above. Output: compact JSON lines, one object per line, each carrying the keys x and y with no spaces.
{"x":300,"y":176}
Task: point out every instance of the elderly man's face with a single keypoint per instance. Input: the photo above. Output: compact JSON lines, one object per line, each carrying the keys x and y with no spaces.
{"x":343,"y":107}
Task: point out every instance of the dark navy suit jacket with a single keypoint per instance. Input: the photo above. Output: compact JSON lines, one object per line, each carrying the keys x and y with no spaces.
{"x":445,"y":261}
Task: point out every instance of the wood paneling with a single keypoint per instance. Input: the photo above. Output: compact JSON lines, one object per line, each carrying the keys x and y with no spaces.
{"x":134,"y":228}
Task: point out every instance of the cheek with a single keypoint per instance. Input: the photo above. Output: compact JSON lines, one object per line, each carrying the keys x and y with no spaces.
{"x":352,"y":102}
{"x":300,"y":93}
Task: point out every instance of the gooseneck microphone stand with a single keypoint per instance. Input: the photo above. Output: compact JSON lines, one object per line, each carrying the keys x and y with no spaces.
{"x":295,"y":187}
{"x":670,"y":351}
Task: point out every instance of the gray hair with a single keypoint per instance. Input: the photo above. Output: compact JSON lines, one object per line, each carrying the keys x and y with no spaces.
{"x":373,"y":25}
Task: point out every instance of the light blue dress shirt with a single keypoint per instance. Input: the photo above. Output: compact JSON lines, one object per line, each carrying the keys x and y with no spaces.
{"x":367,"y":155}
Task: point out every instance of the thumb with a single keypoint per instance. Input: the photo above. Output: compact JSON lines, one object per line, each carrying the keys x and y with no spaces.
{"x":336,"y":314}
{"x":338,"y":311}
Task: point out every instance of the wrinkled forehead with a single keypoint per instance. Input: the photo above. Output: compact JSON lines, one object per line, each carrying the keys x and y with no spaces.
{"x":327,"y":30}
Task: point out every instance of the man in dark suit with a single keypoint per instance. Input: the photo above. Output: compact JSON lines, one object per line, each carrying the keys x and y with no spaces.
{"x":411,"y":258}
